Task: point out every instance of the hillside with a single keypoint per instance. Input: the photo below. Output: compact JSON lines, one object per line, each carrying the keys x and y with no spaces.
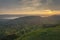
{"x":31,"y":28}
{"x":43,"y":34}
{"x":27,"y":20}
{"x":35,"y":20}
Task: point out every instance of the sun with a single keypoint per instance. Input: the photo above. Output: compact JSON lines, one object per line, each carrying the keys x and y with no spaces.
{"x":49,"y":11}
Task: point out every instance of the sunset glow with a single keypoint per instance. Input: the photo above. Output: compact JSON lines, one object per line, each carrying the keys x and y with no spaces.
{"x":30,"y":7}
{"x":33,"y":12}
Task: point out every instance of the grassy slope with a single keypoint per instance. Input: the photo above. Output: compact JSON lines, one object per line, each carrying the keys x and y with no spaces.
{"x":43,"y":34}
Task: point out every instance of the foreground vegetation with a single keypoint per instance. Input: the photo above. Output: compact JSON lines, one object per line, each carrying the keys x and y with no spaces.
{"x":43,"y":34}
{"x":31,"y":28}
{"x":30,"y":33}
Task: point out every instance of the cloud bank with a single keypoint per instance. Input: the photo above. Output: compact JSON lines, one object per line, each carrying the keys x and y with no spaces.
{"x":29,"y":5}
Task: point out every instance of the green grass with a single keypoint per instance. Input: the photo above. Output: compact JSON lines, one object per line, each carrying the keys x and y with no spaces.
{"x":43,"y":34}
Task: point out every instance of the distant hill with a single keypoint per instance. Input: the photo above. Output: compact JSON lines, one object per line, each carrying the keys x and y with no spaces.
{"x":29,"y":20}
{"x":7,"y":16}
{"x":34,"y":20}
{"x":55,"y":17}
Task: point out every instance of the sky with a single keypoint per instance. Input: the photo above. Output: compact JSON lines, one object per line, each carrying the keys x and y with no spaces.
{"x":45,"y":7}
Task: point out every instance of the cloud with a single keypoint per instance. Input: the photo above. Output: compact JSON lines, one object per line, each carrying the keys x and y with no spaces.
{"x":52,"y":4}
{"x":29,"y":4}
{"x":33,"y":4}
{"x":8,"y":4}
{"x":55,"y":5}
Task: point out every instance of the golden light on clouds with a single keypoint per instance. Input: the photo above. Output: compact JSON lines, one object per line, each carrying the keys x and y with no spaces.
{"x":34,"y":12}
{"x":30,"y":7}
